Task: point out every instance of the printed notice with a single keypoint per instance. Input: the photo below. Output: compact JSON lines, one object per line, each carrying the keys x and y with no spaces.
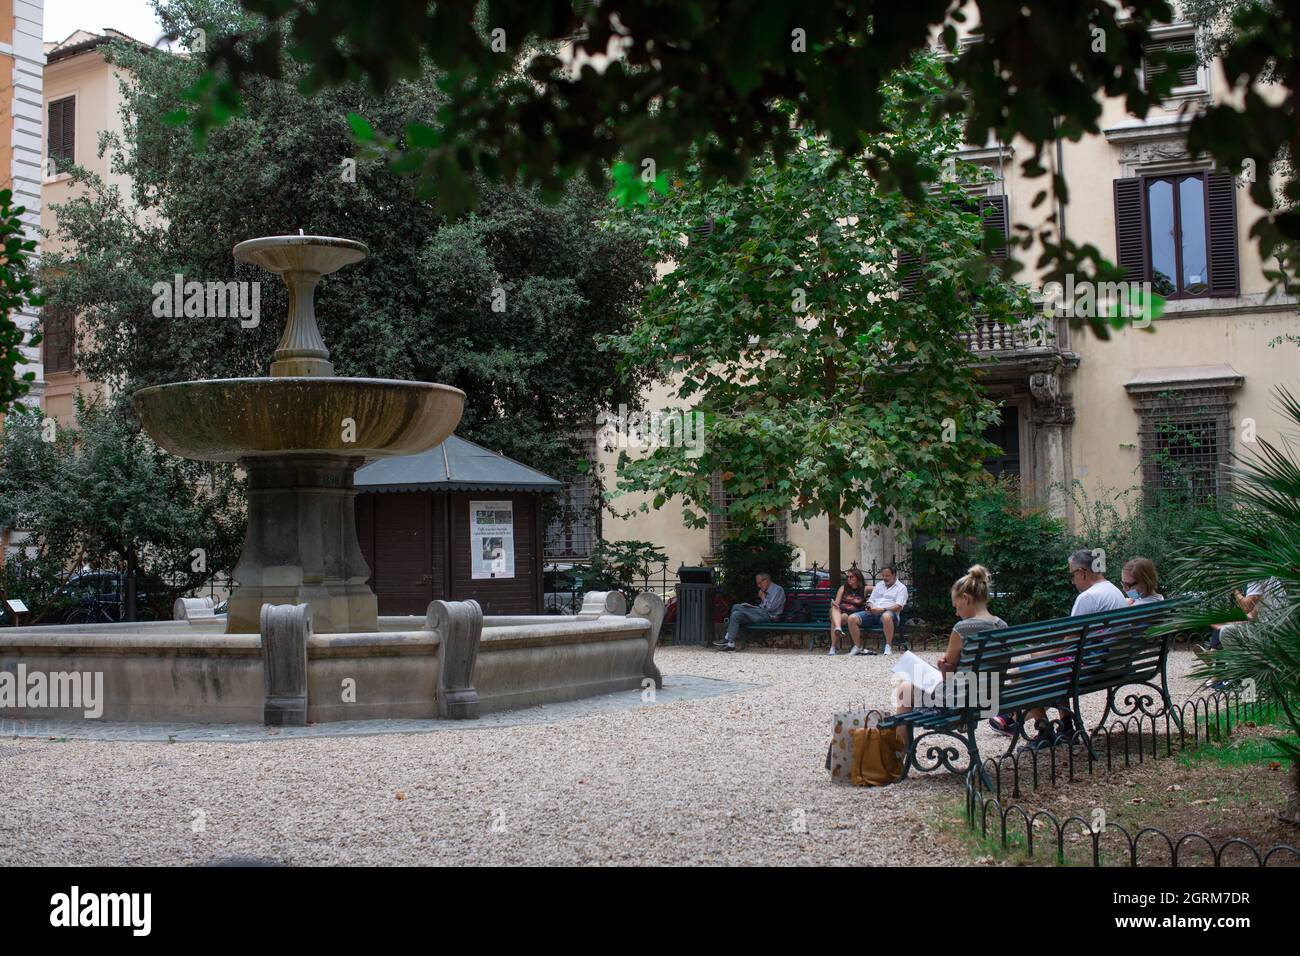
{"x":492,"y":539}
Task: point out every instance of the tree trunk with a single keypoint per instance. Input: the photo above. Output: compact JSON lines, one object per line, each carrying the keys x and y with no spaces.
{"x":833,"y":550}
{"x":1292,"y":812}
{"x":128,"y":612}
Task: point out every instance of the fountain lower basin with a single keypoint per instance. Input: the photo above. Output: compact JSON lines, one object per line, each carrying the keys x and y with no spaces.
{"x":451,"y":663}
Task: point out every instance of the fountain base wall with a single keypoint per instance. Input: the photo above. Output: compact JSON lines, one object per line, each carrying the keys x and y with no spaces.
{"x":454,"y":663}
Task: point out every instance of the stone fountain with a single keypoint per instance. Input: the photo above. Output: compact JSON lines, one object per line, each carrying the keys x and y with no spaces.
{"x":302,"y":623}
{"x":300,"y":435}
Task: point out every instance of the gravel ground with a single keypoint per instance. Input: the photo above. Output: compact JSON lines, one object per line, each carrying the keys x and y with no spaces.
{"x":731,"y":779}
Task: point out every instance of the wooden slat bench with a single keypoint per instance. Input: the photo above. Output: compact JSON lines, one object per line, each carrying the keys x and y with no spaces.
{"x":1046,"y":664}
{"x":819,"y":603}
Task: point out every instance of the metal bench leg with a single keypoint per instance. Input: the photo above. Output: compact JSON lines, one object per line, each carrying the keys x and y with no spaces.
{"x":910,"y":756}
{"x":1169,"y":704}
{"x":1082,"y":728}
{"x":1110,"y":708}
{"x":973,"y":749}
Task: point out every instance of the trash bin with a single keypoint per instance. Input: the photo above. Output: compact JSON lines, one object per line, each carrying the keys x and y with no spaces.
{"x":695,"y":594}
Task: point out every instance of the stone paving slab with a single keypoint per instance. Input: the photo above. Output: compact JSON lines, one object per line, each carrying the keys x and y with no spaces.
{"x":677,"y":687}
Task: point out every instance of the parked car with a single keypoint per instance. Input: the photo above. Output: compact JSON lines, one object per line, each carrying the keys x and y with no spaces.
{"x":812,"y":578}
{"x":563,"y":590}
{"x":91,"y":597}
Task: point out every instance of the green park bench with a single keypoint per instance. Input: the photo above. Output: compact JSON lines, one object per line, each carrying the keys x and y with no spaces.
{"x":818,"y":601}
{"x":1044,"y":664}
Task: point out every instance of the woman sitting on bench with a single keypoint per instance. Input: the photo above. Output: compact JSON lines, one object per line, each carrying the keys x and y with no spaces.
{"x":970,"y":599}
{"x":849,"y":599}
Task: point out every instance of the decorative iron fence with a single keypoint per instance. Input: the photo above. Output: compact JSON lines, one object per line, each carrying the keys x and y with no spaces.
{"x":565,"y":584}
{"x":1198,"y":721}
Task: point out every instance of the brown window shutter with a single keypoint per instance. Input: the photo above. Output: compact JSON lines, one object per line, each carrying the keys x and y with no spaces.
{"x":69,"y":130}
{"x":1221,"y":203}
{"x":1130,"y":229}
{"x":993,"y":210}
{"x":61,"y":132}
{"x":909,"y":273}
{"x":1187,"y":74}
{"x":59,"y":337}
{"x":54,"y":130}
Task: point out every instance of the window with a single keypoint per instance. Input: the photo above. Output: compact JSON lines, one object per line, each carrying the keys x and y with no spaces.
{"x":720,"y":526}
{"x":1177,"y":234}
{"x":575,"y":530}
{"x":1185,"y":445}
{"x":1006,"y":435}
{"x":59,"y":339}
{"x":1178,"y":231}
{"x":61,"y":133}
{"x":993,"y":210}
{"x":1190,"y":79}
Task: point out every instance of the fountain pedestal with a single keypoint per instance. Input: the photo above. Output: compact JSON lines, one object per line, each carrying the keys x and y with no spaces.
{"x":301,"y":545}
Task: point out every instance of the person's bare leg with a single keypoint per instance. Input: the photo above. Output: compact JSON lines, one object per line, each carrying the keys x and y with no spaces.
{"x":887,"y":625}
{"x":1032,"y":717}
{"x":903,"y":694}
{"x":836,"y":621}
{"x":855,"y":632}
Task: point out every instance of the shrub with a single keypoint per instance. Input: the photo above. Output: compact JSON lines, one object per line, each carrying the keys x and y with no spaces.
{"x":744,"y":556}
{"x":1025,"y":549}
{"x":623,"y":566}
{"x":1126,"y":526}
{"x":931,"y":582}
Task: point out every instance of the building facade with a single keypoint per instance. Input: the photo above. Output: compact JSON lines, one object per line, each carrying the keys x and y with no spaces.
{"x":1155,"y":411}
{"x":22,"y":61}
{"x":81,"y":102}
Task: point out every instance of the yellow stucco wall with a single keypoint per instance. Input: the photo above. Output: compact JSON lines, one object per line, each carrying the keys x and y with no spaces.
{"x":1103,"y":443}
{"x":95,"y":85}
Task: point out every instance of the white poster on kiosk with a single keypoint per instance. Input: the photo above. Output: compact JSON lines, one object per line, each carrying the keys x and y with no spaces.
{"x":492,"y":539}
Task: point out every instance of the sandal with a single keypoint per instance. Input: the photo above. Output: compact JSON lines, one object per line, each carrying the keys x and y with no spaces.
{"x":1004,"y":723}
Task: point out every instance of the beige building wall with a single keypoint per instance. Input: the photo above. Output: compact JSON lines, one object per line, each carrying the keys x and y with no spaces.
{"x":21,"y":62}
{"x":1078,"y":402}
{"x":76,"y":68}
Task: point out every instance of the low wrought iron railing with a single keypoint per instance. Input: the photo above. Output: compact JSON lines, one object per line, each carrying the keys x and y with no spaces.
{"x":1198,"y":721}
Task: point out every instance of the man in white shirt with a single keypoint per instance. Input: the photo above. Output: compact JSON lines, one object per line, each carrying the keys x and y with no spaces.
{"x":1095,"y":592}
{"x":888,"y":598}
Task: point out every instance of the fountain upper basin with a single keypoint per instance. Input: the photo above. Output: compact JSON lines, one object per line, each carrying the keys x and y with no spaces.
{"x":233,"y":418}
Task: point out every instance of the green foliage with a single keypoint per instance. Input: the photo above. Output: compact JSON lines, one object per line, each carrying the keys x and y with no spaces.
{"x":712,"y":77}
{"x":623,"y":566}
{"x":822,"y":389}
{"x":1025,"y":548}
{"x":932,"y":575}
{"x":1257,"y":539}
{"x":420,"y":307}
{"x":743,"y":556}
{"x":17,"y":292}
{"x":101,"y":494}
{"x":1128,"y":524}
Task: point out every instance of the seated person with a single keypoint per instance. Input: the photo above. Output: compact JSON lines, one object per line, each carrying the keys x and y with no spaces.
{"x":888,"y":598}
{"x":1095,"y":594}
{"x":1139,"y":582}
{"x":849,"y":599}
{"x":1261,"y":603}
{"x":970,"y":599}
{"x":771,"y":603}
